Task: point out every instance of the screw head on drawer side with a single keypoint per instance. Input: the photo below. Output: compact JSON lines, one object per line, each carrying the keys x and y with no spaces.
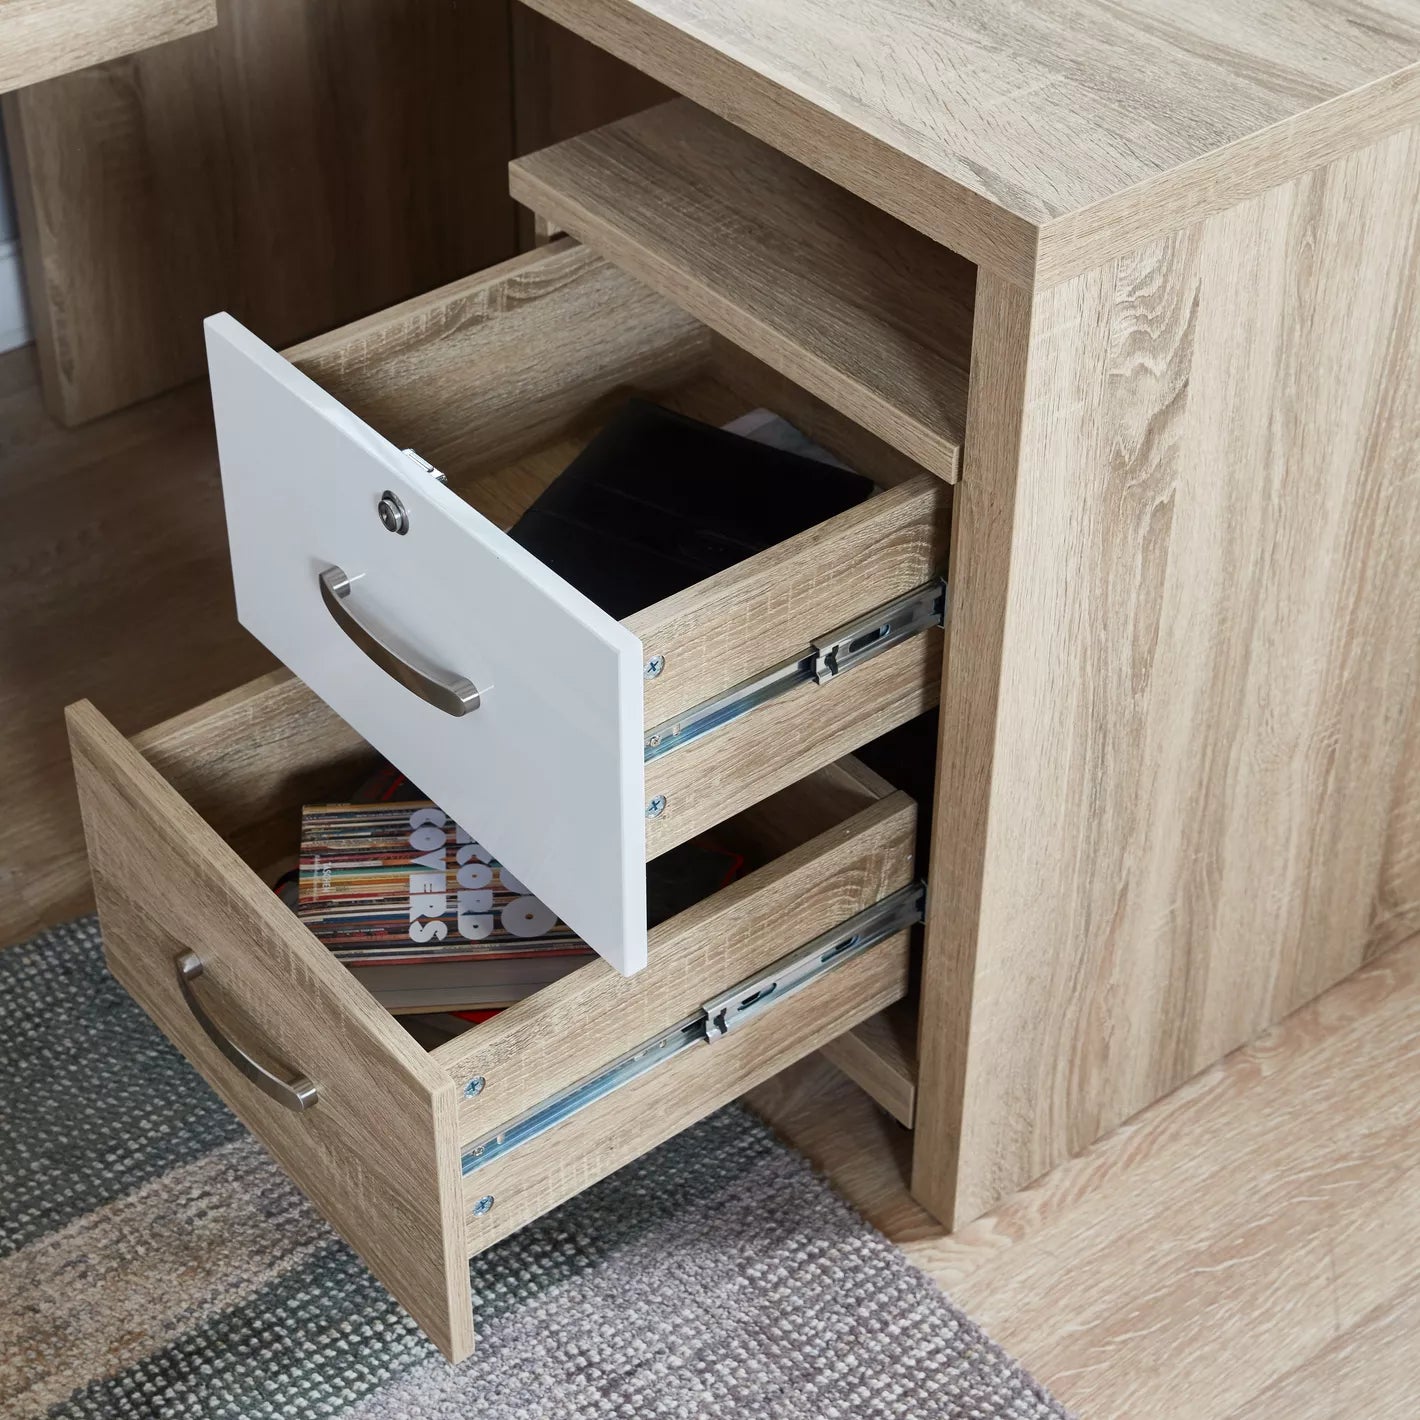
{"x":483,"y":1205}
{"x":474,"y":1086}
{"x":656,"y":807}
{"x":654,"y":667}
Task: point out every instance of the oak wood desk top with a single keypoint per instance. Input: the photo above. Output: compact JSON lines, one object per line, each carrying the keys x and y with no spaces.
{"x":1038,"y":139}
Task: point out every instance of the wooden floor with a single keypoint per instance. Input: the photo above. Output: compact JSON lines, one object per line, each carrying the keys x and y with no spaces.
{"x":1249,"y":1247}
{"x":115,"y":587}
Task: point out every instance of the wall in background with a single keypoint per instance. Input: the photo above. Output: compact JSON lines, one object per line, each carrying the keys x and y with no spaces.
{"x":14,"y":325}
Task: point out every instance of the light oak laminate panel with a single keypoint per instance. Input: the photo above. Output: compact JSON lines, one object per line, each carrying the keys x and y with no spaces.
{"x":1245,"y":1247}
{"x":377,"y":1152}
{"x":545,"y":1171}
{"x":786,"y":820}
{"x":1036,"y":140}
{"x":491,"y":366}
{"x":302,"y":163}
{"x":784,"y":739}
{"x":268,"y":745}
{"x":573,"y":1027}
{"x":1186,"y":797}
{"x":40,"y":39}
{"x":982,"y":527}
{"x":731,"y":626}
{"x":880,"y":1056}
{"x":855,"y":306}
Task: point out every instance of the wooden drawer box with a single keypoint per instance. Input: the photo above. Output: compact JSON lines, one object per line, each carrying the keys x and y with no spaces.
{"x":449,"y":650}
{"x":496,"y":381}
{"x":399,"y":1147}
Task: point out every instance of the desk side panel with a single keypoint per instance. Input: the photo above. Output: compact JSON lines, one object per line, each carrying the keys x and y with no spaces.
{"x":1181,"y":709}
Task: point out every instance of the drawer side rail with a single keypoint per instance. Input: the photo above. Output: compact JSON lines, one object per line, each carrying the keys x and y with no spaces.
{"x":828,"y":656}
{"x":732,"y":1009}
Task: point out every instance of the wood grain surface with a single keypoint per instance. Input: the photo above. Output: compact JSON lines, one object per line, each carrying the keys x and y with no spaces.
{"x":746,"y":760}
{"x":983,"y":521}
{"x":623,"y":1125}
{"x":1317,"y":1235}
{"x":496,"y":364}
{"x":378,"y":1151}
{"x":1190,"y":536}
{"x":562,"y":86}
{"x":787,"y":820}
{"x":764,"y":610}
{"x":40,"y":39}
{"x":1247,"y":1248}
{"x":304,"y":162}
{"x":1036,"y":140}
{"x":880,"y":1056}
{"x":568,"y":1029}
{"x":130,"y":603}
{"x":853,"y":305}
{"x":267,"y":746}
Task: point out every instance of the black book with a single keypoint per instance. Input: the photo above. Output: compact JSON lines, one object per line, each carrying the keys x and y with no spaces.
{"x":657,"y":502}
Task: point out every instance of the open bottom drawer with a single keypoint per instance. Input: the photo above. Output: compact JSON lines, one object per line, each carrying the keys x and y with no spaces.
{"x":493,"y":683}
{"x":421,"y":1158}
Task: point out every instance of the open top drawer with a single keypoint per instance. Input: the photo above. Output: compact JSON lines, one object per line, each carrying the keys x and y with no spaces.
{"x":577,"y":746}
{"x":419,"y":1159}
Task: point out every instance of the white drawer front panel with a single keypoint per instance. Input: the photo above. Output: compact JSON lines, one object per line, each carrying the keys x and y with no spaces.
{"x":547,"y":771}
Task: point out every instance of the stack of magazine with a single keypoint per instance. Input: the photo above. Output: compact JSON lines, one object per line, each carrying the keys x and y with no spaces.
{"x":432,"y":922}
{"x":429,"y":918}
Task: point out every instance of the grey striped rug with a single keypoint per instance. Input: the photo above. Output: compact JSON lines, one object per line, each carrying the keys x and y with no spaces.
{"x":154,"y":1262}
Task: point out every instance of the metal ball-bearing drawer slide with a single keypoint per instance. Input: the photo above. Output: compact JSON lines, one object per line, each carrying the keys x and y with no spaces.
{"x":828,"y":656}
{"x":727,"y":1012}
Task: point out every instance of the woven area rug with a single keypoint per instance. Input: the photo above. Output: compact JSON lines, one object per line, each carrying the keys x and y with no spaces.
{"x":154,"y":1262}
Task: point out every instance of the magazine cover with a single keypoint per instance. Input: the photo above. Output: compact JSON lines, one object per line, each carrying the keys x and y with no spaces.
{"x":388,"y":883}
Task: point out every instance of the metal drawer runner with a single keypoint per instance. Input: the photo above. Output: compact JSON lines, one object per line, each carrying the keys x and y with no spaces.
{"x":715,"y":1019}
{"x":830,"y":655}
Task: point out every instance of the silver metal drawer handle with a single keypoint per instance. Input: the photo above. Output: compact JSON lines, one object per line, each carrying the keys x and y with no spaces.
{"x":450,"y":693}
{"x":298,"y":1095}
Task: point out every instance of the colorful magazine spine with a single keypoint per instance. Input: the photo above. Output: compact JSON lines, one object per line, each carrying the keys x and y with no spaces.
{"x":389,"y":883}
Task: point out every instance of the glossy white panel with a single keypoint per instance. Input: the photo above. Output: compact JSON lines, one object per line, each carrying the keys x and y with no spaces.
{"x":547,"y":771}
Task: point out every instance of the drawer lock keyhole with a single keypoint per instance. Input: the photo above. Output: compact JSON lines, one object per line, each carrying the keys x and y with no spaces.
{"x":392,"y":513}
